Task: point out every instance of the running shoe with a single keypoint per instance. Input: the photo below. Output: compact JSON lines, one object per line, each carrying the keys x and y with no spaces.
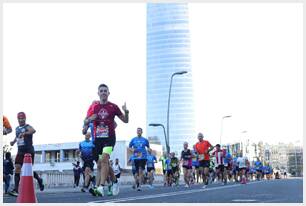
{"x":13,"y":193}
{"x":100,"y":191}
{"x":115,"y":189}
{"x":109,"y":191}
{"x":204,"y":186}
{"x":93,"y":191}
{"x":139,"y":188}
{"x":187,"y":186}
{"x":84,"y":189}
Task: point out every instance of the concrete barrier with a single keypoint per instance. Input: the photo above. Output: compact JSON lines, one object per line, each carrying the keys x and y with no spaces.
{"x":62,"y":179}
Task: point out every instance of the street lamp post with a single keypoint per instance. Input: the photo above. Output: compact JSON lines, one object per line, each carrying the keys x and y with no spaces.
{"x":221,"y":130}
{"x":166,"y":141}
{"x":296,"y":170}
{"x":247,"y":144}
{"x":176,"y":73}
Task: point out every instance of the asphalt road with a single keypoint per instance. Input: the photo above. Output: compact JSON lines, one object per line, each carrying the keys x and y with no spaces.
{"x":273,"y":191}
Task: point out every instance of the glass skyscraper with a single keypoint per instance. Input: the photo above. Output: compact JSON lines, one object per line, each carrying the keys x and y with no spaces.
{"x":168,"y":51}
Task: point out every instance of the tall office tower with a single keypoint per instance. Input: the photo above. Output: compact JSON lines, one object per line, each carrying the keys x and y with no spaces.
{"x":168,"y":51}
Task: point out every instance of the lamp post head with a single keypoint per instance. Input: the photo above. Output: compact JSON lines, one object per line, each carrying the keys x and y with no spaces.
{"x":155,"y":125}
{"x":227,"y":116}
{"x":180,"y":73}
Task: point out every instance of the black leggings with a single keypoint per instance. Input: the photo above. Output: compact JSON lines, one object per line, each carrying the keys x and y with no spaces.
{"x":76,"y":180}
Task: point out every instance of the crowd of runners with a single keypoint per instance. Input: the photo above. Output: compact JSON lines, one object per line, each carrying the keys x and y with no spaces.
{"x":201,"y":163}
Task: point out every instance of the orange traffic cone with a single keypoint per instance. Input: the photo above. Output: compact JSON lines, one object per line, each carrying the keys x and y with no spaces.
{"x":26,"y":187}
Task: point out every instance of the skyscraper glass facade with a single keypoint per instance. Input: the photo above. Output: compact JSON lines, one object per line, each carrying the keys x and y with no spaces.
{"x":168,"y":51}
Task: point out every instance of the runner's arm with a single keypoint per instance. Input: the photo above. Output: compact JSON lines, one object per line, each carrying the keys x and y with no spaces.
{"x":13,"y":142}
{"x":30,"y":130}
{"x":210,"y":148}
{"x":124,"y":117}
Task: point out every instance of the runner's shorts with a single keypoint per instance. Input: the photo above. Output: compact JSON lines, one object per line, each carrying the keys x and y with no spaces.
{"x":204,"y":163}
{"x":100,"y":144}
{"x":175,"y":169}
{"x":242,"y":168}
{"x":235,"y":170}
{"x":220,"y":167}
{"x":118,"y":175}
{"x":20,"y":156}
{"x":88,"y":163}
{"x":228,"y":167}
{"x":187,"y":167}
{"x":140,"y":163}
{"x":149,"y":169}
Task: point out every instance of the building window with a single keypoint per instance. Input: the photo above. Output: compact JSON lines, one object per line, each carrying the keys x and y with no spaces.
{"x":66,"y":155}
{"x":37,"y":158}
{"x":48,"y":156}
{"x":57,"y":156}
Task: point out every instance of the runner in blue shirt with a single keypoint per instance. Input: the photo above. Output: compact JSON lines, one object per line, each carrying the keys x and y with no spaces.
{"x":258,"y":167}
{"x":168,"y":168}
{"x":227,"y":165}
{"x":138,"y":146}
{"x":252,"y":172}
{"x":151,"y":160}
{"x":264,"y":172}
{"x":86,"y":153}
{"x":195,"y":166}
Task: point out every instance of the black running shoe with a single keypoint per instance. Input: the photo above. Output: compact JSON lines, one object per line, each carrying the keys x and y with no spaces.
{"x":93,"y":191}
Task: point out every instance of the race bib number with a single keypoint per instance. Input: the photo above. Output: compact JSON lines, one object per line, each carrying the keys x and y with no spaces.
{"x":150,"y":164}
{"x":201,"y":156}
{"x":20,"y":142}
{"x":173,"y":164}
{"x":138,"y":154}
{"x":102,"y":131}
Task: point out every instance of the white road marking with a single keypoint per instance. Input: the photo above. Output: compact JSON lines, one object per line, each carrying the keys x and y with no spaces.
{"x":243,"y":200}
{"x":168,"y":194}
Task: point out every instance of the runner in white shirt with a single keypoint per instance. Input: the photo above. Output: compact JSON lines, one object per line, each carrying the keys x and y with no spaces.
{"x":117,"y":169}
{"x":242,"y":162}
{"x":219,"y":156}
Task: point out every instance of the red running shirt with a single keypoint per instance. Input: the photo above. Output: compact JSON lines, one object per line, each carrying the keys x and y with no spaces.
{"x":104,"y":125}
{"x":202,"y":148}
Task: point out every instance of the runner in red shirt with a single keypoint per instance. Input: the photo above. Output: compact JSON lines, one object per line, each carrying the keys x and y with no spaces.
{"x":203,"y":148}
{"x":102,"y":116}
